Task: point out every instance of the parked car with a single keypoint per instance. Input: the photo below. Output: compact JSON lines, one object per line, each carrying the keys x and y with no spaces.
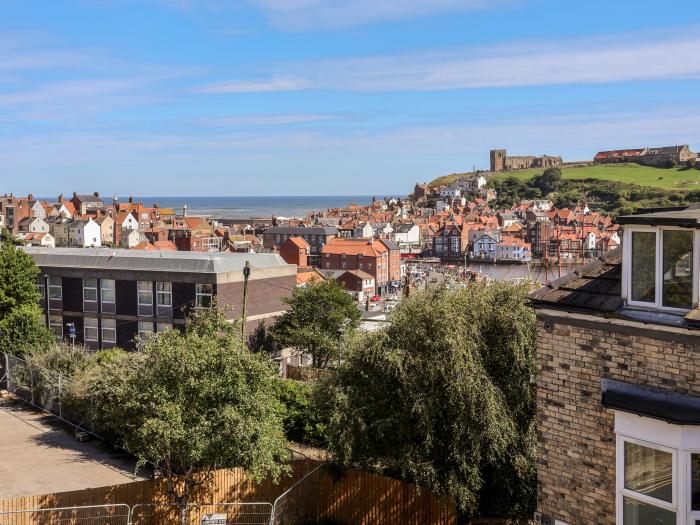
{"x":375,"y":298}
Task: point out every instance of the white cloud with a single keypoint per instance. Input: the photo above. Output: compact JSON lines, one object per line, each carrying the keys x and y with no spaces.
{"x":276,"y":83}
{"x":596,"y":60}
{"x":331,"y":14}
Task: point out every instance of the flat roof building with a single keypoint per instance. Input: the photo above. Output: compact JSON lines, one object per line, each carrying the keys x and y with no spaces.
{"x":110,"y":296}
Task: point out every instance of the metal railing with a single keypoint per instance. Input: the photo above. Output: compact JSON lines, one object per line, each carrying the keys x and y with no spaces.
{"x":257,"y":513}
{"x":287,"y":508}
{"x":41,"y":388}
{"x":117,"y":514}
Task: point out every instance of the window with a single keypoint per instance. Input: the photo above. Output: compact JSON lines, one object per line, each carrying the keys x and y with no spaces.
{"x":109,"y":331}
{"x":649,"y":471}
{"x":90,"y":327}
{"x":107,"y":288}
{"x":55,"y":288}
{"x":41,"y":286}
{"x":660,"y":268}
{"x":145,"y":329}
{"x":145,"y":293}
{"x":678,"y":269}
{"x":90,"y":290}
{"x":56,"y":325}
{"x":164,"y":294}
{"x":205,"y":293}
{"x":164,"y":327}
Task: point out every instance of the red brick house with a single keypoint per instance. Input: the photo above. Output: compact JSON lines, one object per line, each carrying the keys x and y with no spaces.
{"x":369,"y":255}
{"x":358,"y":282}
{"x":295,"y":250}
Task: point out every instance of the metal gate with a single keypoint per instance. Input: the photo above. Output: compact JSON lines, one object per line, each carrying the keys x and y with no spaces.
{"x":92,"y":515}
{"x":257,"y":513}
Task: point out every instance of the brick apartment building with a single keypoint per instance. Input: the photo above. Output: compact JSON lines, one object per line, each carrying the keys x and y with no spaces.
{"x":618,"y":395}
{"x":112,"y":296}
{"x":372,"y":256}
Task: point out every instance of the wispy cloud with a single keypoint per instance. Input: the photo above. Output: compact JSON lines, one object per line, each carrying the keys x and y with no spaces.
{"x":596,"y":60}
{"x":276,"y":83}
{"x":299,"y":15}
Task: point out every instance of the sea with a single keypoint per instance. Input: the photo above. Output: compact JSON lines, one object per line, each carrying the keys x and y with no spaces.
{"x":253,"y":207}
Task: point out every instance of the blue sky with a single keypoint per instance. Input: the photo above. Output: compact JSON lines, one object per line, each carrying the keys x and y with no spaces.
{"x":305,"y":97}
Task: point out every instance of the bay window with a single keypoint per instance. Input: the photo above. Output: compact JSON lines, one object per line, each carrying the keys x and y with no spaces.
{"x":660,"y":267}
{"x":658,"y":471}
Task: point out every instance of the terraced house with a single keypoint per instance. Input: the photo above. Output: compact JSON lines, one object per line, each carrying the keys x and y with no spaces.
{"x":618,"y":362}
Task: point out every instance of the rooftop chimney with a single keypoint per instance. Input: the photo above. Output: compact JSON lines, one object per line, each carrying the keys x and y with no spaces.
{"x":131,"y":199}
{"x":97,"y":194}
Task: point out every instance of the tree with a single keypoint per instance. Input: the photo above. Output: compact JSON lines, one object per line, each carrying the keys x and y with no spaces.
{"x":318,"y":319}
{"x":23,"y":331}
{"x":442,"y":398}
{"x":22,"y":326}
{"x":690,"y":163}
{"x":190,"y":403}
{"x":18,"y":278}
{"x":549,"y":181}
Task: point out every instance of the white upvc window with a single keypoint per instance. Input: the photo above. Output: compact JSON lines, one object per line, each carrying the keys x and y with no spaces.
{"x":108,"y":291}
{"x":163,"y":327}
{"x":145,"y":330}
{"x":145,"y":293}
{"x":164,"y":294}
{"x":658,"y":471}
{"x":90,"y":329}
{"x":205,"y":295}
{"x":660,"y":268}
{"x":56,"y":325}
{"x":55,"y":288}
{"x":109,"y":330}
{"x":89,"y":290}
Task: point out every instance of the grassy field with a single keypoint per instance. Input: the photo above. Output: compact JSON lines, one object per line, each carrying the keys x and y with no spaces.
{"x":668,"y":179}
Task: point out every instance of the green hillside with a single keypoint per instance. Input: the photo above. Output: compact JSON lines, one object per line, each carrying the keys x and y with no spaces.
{"x":669,"y":179}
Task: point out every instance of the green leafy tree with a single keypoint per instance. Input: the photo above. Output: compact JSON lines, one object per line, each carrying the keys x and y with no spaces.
{"x":303,"y":422}
{"x":190,"y":403}
{"x":550,"y":181}
{"x":22,"y":326}
{"x":318,"y":319}
{"x":18,"y":278}
{"x":23,"y":331}
{"x":442,"y":398}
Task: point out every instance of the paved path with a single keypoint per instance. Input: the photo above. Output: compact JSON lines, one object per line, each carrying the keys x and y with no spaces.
{"x":39,"y":457}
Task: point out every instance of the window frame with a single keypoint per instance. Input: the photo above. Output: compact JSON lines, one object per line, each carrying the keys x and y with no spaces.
{"x":145,"y":334}
{"x":103,"y":288}
{"x":199,"y":293}
{"x":104,"y":329}
{"x":59,"y":286}
{"x":96,"y":328}
{"x":658,"y":282}
{"x":56,"y":321}
{"x":95,"y":288}
{"x":169,"y":293}
{"x":149,"y":291}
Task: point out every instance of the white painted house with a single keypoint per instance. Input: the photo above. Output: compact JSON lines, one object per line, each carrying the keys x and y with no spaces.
{"x":485,"y":247}
{"x":84,"y":233}
{"x":407,"y":233}
{"x":129,"y":238}
{"x":33,"y":225}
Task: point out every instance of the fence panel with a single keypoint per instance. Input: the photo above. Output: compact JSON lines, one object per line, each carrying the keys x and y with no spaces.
{"x":89,"y":515}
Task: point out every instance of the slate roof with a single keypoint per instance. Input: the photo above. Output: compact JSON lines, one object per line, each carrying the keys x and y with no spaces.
{"x":595,"y":287}
{"x":685,"y":217}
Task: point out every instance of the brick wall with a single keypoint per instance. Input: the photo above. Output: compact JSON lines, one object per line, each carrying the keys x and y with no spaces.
{"x":576,"y":439}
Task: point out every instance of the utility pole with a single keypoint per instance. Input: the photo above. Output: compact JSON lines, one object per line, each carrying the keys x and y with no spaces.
{"x":246,"y":275}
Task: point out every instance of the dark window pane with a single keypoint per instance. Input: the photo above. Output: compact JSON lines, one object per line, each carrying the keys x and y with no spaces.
{"x":637,"y":513}
{"x":678,"y":269}
{"x":643,"y":266}
{"x":695,"y":478}
{"x":649,"y":471}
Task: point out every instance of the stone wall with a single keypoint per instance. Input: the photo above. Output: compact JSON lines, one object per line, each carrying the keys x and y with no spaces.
{"x":576,"y":439}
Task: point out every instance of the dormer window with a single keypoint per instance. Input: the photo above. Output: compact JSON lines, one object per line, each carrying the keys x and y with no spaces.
{"x":660,"y":267}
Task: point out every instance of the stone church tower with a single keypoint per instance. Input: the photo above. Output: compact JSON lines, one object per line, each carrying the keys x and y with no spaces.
{"x":498,"y":160}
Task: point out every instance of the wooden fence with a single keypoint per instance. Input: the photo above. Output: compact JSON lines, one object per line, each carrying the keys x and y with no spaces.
{"x":346,"y":496}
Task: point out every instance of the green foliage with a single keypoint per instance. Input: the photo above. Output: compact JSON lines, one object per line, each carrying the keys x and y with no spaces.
{"x":442,"y":398}
{"x":18,"y":275}
{"x":22,"y":326}
{"x":23,"y":331}
{"x":190,"y":403}
{"x":302,"y":420}
{"x":63,"y":359}
{"x":550,"y":181}
{"x":318,"y":318}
